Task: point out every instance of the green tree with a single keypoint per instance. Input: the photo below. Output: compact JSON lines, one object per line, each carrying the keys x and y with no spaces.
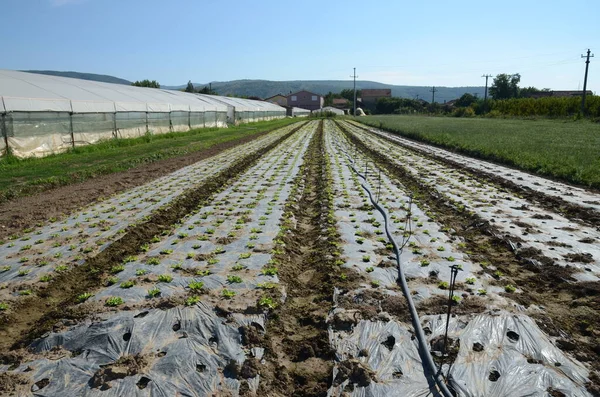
{"x":349,"y":94}
{"x":466,"y":100}
{"x":329,"y":97}
{"x":208,"y":91}
{"x":505,"y":86}
{"x":190,"y":87}
{"x":398,"y":106}
{"x":146,"y":83}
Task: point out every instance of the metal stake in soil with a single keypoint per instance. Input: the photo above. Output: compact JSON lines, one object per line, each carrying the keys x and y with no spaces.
{"x":453,"y":273}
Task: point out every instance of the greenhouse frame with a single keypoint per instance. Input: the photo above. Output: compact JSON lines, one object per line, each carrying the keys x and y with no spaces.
{"x":43,"y":114}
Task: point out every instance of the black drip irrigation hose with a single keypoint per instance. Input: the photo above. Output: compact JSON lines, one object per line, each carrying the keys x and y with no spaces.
{"x":423,"y":345}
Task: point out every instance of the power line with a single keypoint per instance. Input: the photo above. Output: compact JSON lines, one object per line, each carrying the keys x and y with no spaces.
{"x":433,"y":91}
{"x":587,"y":65}
{"x":355,"y":76}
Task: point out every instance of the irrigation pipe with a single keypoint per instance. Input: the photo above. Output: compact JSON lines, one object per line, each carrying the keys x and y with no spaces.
{"x":423,"y":345}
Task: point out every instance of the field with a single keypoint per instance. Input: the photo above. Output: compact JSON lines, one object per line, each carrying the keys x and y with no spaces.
{"x":33,"y":175}
{"x":311,"y":260}
{"x":565,"y":150}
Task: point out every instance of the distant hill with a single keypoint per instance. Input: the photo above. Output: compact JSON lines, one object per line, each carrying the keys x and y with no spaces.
{"x":267,"y":88}
{"x":84,"y":76}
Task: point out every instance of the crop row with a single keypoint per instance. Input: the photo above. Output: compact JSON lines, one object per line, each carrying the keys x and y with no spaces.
{"x":37,"y":255}
{"x":159,"y":311}
{"x":381,"y":341}
{"x":524,"y":222}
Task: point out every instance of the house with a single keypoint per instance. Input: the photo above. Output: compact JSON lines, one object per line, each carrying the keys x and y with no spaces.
{"x":305,"y":100}
{"x":278,"y":99}
{"x":340,"y":103}
{"x":370,"y":96}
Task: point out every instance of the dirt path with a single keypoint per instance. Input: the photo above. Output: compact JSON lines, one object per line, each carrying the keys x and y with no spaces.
{"x":569,"y":309}
{"x":38,"y":314}
{"x":299,"y":356}
{"x":25,"y":212}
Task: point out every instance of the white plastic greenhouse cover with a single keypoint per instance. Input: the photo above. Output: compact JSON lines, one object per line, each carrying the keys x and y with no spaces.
{"x":329,"y":109}
{"x":249,"y":105}
{"x":30,"y":92}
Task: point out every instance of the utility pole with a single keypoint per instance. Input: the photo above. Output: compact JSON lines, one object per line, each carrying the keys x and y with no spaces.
{"x":487,"y":76}
{"x":433,"y":91}
{"x":587,"y":65}
{"x":354,"y":76}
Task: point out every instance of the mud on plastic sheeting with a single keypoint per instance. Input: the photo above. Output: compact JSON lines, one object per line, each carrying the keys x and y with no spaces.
{"x":183,"y":351}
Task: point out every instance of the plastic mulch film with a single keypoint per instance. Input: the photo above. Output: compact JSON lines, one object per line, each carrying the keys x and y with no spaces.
{"x":181,"y":351}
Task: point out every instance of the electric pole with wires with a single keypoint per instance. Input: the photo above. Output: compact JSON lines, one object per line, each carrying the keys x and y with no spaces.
{"x":587,"y":65}
{"x":354,"y":76}
{"x":433,"y":91}
{"x":487,"y":76}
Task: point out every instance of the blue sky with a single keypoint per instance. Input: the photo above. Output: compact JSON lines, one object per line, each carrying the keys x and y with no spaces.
{"x":442,"y":43}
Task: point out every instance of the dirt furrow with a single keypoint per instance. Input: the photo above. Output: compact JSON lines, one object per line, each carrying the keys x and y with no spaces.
{"x":299,"y":356}
{"x":36,"y":315}
{"x":573,"y":212}
{"x":566,"y":310}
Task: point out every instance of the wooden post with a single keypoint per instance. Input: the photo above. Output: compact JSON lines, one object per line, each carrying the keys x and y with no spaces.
{"x":5,"y":133}
{"x":71,"y":129}
{"x":116,"y":132}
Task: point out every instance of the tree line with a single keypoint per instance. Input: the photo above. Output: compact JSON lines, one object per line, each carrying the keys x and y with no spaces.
{"x":506,"y":99}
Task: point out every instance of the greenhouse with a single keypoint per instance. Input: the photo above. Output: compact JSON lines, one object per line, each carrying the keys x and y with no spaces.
{"x":44,"y":114}
{"x":248,"y":110}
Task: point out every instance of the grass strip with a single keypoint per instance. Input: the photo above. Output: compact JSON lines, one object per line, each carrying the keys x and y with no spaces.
{"x":561,"y":149}
{"x":22,"y":177}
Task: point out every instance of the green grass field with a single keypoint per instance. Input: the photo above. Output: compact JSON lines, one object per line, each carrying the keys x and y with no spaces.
{"x":562,"y":149}
{"x":32,"y":175}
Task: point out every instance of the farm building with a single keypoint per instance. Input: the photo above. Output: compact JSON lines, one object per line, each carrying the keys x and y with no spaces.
{"x":305,"y":100}
{"x":341,"y":103}
{"x":297,"y":112}
{"x":369,"y":97}
{"x":43,"y":114}
{"x":278,"y":99}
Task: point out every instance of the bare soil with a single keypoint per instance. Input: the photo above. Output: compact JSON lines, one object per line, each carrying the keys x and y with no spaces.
{"x":298,"y":353}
